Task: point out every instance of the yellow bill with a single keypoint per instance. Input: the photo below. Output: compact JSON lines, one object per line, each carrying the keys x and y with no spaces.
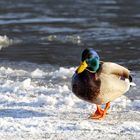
{"x":82,"y":67}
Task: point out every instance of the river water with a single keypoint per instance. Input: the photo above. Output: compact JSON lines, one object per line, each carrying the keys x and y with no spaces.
{"x":56,"y":32}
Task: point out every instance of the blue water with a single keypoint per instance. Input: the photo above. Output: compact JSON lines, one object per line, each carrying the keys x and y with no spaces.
{"x":56,"y":32}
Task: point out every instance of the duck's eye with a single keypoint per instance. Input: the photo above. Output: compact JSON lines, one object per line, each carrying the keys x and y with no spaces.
{"x":91,"y":56}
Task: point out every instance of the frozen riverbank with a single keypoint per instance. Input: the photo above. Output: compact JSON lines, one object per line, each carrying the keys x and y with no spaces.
{"x":36,"y":102}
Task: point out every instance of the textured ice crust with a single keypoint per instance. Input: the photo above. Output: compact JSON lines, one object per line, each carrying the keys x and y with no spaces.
{"x":36,"y":102}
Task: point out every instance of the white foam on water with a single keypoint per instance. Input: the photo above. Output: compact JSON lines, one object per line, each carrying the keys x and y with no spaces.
{"x":37,"y":103}
{"x":75,"y":39}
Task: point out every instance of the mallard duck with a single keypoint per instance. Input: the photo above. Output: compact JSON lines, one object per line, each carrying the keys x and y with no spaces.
{"x":100,"y":82}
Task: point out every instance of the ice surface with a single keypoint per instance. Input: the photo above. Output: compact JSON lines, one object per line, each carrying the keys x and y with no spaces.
{"x":5,"y":41}
{"x":36,"y":102}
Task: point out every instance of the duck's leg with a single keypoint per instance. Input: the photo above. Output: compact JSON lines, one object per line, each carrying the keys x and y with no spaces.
{"x":99,"y":113}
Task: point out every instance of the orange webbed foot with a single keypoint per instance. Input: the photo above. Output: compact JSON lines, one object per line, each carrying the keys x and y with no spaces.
{"x":99,"y":113}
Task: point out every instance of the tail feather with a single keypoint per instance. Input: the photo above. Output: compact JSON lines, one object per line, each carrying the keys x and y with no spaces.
{"x":132,"y":84}
{"x":131,"y":79}
{"x":128,"y":80}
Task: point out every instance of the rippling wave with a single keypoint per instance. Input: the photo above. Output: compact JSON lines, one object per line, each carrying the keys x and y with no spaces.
{"x":50,"y":30}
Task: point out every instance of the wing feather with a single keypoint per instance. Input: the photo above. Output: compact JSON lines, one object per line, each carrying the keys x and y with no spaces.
{"x":116,"y":69}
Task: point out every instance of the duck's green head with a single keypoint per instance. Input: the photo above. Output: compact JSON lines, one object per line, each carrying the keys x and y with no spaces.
{"x":90,"y":61}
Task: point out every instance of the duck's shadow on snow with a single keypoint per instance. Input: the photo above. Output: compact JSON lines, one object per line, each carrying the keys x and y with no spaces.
{"x":20,"y":113}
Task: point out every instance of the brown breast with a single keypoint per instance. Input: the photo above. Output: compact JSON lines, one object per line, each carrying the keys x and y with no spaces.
{"x":86,"y":85}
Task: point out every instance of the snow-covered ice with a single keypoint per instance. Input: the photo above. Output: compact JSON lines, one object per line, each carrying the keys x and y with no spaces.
{"x":36,"y":103}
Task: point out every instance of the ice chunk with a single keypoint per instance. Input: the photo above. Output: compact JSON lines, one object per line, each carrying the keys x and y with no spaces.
{"x":26,"y":83}
{"x":5,"y":41}
{"x":37,"y":73}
